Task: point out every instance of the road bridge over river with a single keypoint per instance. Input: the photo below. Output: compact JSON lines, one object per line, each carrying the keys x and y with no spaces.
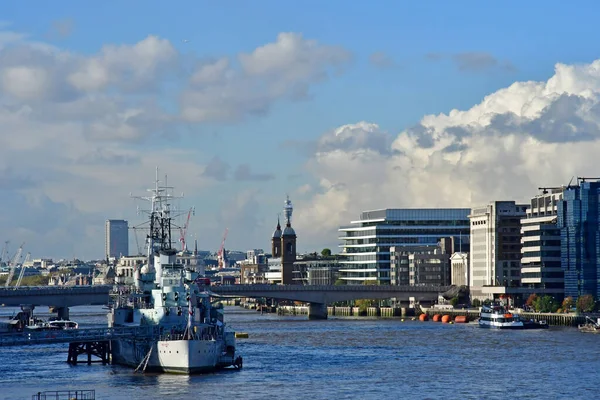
{"x":63,"y":297}
{"x":58,"y":297}
{"x":320,"y":295}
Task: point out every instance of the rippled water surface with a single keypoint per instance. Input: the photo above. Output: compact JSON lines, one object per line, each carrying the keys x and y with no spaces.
{"x":293,"y":358}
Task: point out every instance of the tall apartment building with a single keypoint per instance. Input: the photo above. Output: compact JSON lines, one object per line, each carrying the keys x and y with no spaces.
{"x":366,"y":242}
{"x":116,"y":238}
{"x":541,"y":270}
{"x":495,"y":249}
{"x":578,"y":221}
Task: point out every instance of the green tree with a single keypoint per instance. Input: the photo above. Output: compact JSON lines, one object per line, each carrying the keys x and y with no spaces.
{"x":370,"y":282}
{"x":586,"y":303}
{"x":567,"y":304}
{"x":545,"y":304}
{"x":326,"y":252}
{"x":454,"y":301}
{"x":363,"y":304}
{"x":476,"y":303}
{"x":340,"y":282}
{"x":531,"y":300}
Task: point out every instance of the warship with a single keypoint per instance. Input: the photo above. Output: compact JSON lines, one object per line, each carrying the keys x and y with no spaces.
{"x":174,"y":302}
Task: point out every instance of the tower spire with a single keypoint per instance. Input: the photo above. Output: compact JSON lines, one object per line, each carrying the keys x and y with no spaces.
{"x":288,"y":209}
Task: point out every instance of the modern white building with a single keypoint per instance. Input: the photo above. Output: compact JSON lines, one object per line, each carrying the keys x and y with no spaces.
{"x":541,"y":269}
{"x":495,"y":265}
{"x":116,"y":238}
{"x":459,"y":266}
{"x":366,"y":242}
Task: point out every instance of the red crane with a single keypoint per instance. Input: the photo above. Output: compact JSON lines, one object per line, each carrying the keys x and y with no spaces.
{"x":183,"y":231}
{"x":220,"y":255}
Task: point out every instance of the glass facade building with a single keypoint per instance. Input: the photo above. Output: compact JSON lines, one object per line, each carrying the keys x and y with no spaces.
{"x":580,"y":238}
{"x":366,"y":242}
{"x":116,"y":237}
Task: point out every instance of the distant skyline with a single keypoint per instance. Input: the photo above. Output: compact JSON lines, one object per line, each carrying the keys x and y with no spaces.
{"x":344,"y":106}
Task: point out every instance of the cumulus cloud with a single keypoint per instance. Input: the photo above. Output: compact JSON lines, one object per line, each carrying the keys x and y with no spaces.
{"x":527,"y":135}
{"x":75,"y":126}
{"x":285,"y":68}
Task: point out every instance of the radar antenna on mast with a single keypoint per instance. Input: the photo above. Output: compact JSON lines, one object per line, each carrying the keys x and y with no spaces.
{"x":161,"y":215}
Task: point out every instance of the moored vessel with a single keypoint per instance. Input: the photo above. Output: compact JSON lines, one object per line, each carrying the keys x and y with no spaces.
{"x":590,"y":326}
{"x":189,"y":333}
{"x":498,"y":317}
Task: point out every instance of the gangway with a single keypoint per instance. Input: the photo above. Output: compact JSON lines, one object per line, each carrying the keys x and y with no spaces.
{"x":145,"y":333}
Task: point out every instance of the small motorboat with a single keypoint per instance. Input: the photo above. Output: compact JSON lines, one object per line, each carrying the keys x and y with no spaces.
{"x":590,"y":326}
{"x":55,"y":325}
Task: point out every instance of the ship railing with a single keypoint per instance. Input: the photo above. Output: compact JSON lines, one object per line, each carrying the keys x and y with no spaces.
{"x":341,"y":288}
{"x":170,"y":337}
{"x":65,"y":395}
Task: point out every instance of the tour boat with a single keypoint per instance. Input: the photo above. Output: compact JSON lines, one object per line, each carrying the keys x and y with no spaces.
{"x":498,"y":317}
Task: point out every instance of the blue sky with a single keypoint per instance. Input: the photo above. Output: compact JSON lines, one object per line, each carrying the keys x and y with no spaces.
{"x":405,"y":61}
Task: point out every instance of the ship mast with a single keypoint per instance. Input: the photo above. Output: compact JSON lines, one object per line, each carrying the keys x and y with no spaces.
{"x":160,"y":215}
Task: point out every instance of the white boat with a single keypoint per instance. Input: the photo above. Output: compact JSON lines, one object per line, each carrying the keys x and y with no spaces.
{"x":590,"y":326}
{"x":172,"y":298}
{"x":498,"y":317}
{"x":63,"y":324}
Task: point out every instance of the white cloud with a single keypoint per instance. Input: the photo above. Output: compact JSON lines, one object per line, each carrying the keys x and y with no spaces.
{"x":126,"y":66}
{"x":527,"y":135}
{"x":285,"y":68}
{"x":75,"y":128}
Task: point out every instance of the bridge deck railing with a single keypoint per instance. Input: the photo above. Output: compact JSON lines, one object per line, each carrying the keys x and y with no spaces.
{"x":53,"y":290}
{"x":338,"y":288}
{"x":79,"y":335}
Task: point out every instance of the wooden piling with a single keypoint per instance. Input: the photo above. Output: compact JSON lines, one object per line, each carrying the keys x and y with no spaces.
{"x":98,"y":349}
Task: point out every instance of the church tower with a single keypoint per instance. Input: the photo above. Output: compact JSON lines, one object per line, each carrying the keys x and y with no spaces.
{"x":288,"y":246}
{"x":276,"y":241}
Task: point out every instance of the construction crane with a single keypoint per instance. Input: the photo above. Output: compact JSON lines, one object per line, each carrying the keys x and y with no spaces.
{"x":221,"y":253}
{"x":545,"y":189}
{"x":13,"y":265}
{"x":586,"y":179}
{"x":137,"y":242}
{"x":183,"y":230}
{"x":22,"y":272}
{"x":4,"y":251}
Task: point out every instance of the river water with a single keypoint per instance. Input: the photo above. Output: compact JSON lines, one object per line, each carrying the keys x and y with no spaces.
{"x":289,"y":357}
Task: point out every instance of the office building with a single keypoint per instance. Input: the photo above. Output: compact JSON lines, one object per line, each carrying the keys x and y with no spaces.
{"x":577,"y":219}
{"x":495,"y":267}
{"x":541,"y":270}
{"x":367,"y":241}
{"x":116,"y":238}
